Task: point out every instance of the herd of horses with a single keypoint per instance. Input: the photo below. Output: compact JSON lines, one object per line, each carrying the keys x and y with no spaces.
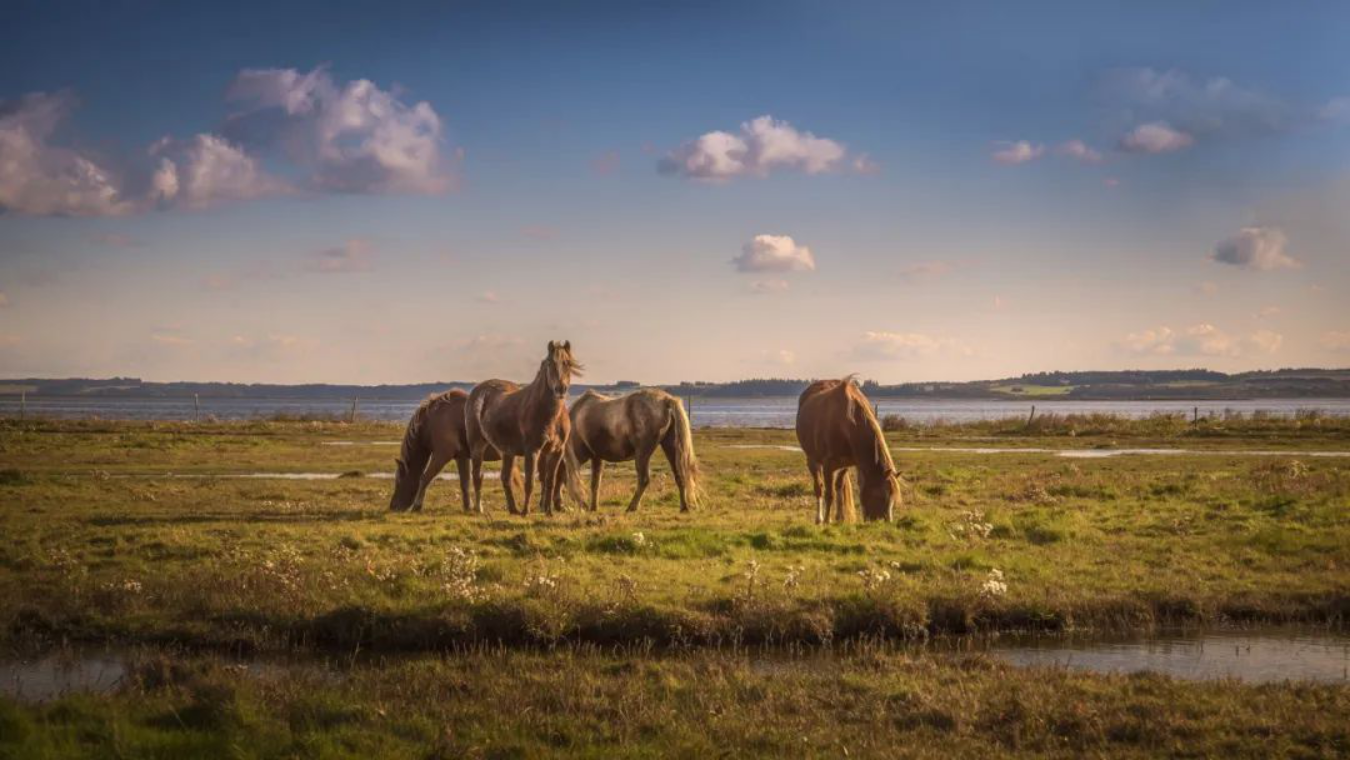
{"x":500,"y":420}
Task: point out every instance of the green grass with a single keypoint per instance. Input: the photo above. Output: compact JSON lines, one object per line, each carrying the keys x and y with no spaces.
{"x":489,"y":702}
{"x":656,"y":634}
{"x":107,"y":542}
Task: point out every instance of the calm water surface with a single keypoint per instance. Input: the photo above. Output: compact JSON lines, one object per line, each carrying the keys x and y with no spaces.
{"x":758,"y":412}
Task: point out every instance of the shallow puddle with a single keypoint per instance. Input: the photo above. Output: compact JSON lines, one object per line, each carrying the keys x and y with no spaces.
{"x":1256,"y":657}
{"x":1070,"y":453}
{"x":47,"y":678}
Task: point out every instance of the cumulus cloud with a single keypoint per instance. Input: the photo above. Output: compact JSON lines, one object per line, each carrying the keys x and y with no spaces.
{"x":1155,"y":137}
{"x":1079,"y":151}
{"x":355,"y":255}
{"x":41,"y":179}
{"x":1200,"y":340}
{"x":353,"y":137}
{"x":1019,"y":152}
{"x":1259,"y":248}
{"x":774,"y":253}
{"x":771,"y":285}
{"x":207,"y":170}
{"x":763,"y":145}
{"x":888,"y":346}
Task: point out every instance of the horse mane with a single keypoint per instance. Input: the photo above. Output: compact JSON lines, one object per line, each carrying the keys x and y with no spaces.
{"x":413,"y":443}
{"x":881,"y":454}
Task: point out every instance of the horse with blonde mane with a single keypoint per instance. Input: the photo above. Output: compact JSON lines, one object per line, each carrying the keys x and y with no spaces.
{"x":623,"y":428}
{"x":531,"y":422}
{"x":837,"y":430}
{"x":435,"y":435}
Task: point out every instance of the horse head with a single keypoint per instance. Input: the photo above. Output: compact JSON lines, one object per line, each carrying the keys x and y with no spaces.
{"x":558,"y":368}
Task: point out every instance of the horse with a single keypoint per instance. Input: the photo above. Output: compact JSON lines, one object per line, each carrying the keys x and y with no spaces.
{"x":435,"y":435}
{"x":529,"y":421}
{"x":837,"y":430}
{"x":617,"y":429}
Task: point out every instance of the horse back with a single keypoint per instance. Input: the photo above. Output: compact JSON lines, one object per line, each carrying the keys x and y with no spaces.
{"x":826,"y":422}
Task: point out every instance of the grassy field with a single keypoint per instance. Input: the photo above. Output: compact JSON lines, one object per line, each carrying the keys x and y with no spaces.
{"x":136,"y":534}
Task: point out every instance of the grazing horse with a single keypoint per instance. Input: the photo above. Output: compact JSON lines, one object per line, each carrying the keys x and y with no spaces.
{"x":617,"y":429}
{"x":837,"y":430}
{"x":531,"y":422}
{"x":436,"y":434}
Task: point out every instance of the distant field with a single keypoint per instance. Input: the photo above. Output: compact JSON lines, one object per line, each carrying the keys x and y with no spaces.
{"x":1033,"y":390}
{"x":135,"y":533}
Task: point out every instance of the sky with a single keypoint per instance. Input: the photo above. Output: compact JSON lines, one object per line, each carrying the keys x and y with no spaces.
{"x":400,"y":192}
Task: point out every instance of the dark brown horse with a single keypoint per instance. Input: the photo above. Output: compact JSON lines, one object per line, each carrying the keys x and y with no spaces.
{"x":531,"y":422}
{"x":837,"y":430}
{"x":606,"y":429}
{"x":436,"y":434}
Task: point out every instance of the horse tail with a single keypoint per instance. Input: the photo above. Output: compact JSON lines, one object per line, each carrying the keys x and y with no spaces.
{"x":843,"y":498}
{"x":572,"y":467}
{"x":682,"y":439}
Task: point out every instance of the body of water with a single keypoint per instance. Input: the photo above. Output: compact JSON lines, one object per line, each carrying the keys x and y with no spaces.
{"x":778,"y":412}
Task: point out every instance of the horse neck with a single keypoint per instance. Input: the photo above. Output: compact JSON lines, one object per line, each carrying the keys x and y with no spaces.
{"x":869,"y":446}
{"x":540,"y":403}
{"x":415,"y":448}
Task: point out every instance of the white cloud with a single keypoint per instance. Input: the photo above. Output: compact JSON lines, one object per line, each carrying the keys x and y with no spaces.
{"x":353,"y":137}
{"x":887,"y":346}
{"x":772,"y":285}
{"x":1155,"y":137}
{"x":774,"y":253}
{"x":1196,"y":106}
{"x":1260,"y":248}
{"x":1079,"y":151}
{"x":762,"y":146}
{"x":1336,"y":340}
{"x":1200,"y":340}
{"x":355,"y":255}
{"x":782,"y":357}
{"x":207,"y":170}
{"x":1019,"y":152}
{"x":41,"y":179}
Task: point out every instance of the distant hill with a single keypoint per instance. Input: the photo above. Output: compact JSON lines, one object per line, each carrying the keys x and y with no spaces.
{"x":1124,"y":385}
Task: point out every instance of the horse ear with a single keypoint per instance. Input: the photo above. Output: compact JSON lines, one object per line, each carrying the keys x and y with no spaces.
{"x":552,"y":347}
{"x":567,"y":345}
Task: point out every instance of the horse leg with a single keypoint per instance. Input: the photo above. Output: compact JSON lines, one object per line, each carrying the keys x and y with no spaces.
{"x":643,"y":461}
{"x":529,"y":480}
{"x":434,"y":466}
{"x":829,"y":496}
{"x":462,"y":465}
{"x":842,"y":493}
{"x":597,"y":472}
{"x":476,"y":466}
{"x":508,"y":477}
{"x":546,"y":463}
{"x":817,"y":476}
{"x":559,"y":474}
{"x":676,"y":469}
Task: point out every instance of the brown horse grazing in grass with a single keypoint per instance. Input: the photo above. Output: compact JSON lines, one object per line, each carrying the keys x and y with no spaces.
{"x":609,"y":429}
{"x":531,"y":422}
{"x":436,"y":434}
{"x":837,"y":430}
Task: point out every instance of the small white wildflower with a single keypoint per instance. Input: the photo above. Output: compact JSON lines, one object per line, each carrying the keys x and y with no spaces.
{"x":639,"y":539}
{"x":993,"y":584}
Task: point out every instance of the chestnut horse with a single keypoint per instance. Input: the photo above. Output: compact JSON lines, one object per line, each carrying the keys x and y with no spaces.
{"x":609,"y":429}
{"x":531,"y":422}
{"x":436,"y":434}
{"x":837,"y":430}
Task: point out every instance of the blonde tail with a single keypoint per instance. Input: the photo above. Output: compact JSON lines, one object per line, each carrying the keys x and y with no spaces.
{"x":684,"y":457}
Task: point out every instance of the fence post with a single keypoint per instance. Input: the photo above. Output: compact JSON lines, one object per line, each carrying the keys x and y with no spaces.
{"x":196,"y":407}
{"x":1031,"y":416}
{"x":352,"y":417}
{"x":23,"y":404}
{"x":1195,"y":417}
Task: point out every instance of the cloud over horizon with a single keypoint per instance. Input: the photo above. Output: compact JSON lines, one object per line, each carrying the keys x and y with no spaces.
{"x":763,"y":145}
{"x":1258,"y":248}
{"x":774,"y":253}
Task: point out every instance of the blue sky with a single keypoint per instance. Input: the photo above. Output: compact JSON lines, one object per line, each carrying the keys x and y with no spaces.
{"x":394,"y":193}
